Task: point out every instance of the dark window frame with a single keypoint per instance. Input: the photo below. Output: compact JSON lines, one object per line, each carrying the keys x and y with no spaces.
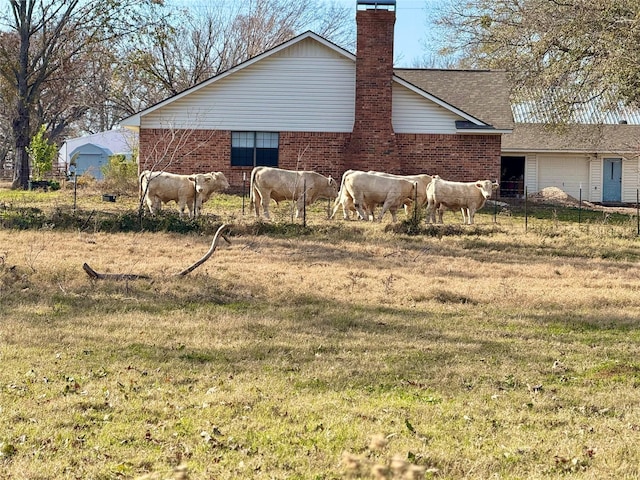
{"x":254,"y":149}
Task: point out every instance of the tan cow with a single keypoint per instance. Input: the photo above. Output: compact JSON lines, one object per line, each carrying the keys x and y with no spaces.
{"x":469,"y":197}
{"x":269,"y":183}
{"x":422,"y":179}
{"x":369,"y":189}
{"x":345,"y":201}
{"x":190,"y":191}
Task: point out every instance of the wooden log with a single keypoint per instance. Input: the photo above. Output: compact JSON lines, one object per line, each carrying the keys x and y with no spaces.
{"x":130,"y":276}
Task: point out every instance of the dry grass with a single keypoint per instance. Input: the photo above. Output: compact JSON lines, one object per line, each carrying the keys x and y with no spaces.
{"x":346,"y":353}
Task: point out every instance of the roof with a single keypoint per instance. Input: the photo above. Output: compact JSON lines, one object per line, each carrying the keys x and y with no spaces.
{"x":536,"y":137}
{"x":531,"y":106}
{"x":484,"y":94}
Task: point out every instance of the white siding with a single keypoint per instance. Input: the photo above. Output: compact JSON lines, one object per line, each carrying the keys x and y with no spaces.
{"x":307,"y":87}
{"x":413,"y":113}
{"x":567,"y":172}
{"x":304,"y":88}
{"x":531,"y":173}
{"x":630,"y":180}
{"x":595,"y":180}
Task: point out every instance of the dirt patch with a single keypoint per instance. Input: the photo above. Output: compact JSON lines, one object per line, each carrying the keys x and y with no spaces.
{"x":556,"y":196}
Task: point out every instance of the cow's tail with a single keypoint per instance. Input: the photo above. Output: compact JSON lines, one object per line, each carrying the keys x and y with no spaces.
{"x":141,"y":178}
{"x":252,"y":194}
{"x":338,"y":199}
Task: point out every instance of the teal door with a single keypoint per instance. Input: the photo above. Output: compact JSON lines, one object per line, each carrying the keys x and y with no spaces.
{"x":612,"y":180}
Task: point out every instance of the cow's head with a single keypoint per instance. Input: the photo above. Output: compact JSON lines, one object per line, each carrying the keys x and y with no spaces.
{"x":333,"y":187}
{"x":486,"y":187}
{"x":207,"y":183}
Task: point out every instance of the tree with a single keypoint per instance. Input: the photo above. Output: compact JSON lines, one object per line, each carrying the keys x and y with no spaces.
{"x":42,"y":153}
{"x":193,"y":45}
{"x":41,"y":41}
{"x":578,"y":50}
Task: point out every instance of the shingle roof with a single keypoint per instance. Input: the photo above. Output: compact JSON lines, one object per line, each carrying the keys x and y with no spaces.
{"x":483,"y":94}
{"x":535,"y":137}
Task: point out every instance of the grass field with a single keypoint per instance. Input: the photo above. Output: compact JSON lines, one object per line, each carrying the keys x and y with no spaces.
{"x":343,"y":350}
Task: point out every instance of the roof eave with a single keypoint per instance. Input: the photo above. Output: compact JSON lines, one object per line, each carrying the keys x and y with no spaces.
{"x":483,"y":131}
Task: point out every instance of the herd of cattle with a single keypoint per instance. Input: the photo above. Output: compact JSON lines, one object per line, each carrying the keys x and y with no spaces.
{"x":359,"y":192}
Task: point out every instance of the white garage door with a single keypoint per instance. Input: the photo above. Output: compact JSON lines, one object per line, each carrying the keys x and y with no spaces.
{"x":568,"y":173}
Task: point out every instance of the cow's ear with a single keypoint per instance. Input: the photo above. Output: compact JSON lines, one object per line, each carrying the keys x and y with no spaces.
{"x":191,"y":178}
{"x":479,"y":184}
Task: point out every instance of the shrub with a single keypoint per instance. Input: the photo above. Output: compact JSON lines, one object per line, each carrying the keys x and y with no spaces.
{"x":121,"y":175}
{"x":42,"y":153}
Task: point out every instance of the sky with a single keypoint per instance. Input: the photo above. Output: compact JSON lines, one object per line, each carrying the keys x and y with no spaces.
{"x":410,"y":30}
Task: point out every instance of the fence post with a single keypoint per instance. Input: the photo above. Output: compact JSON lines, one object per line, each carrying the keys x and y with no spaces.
{"x":244,"y":182}
{"x":415,"y":203}
{"x":304,"y":203}
{"x":526,"y":218}
{"x":580,"y":205}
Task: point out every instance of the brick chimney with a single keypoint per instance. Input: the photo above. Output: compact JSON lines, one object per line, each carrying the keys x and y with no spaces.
{"x":373,"y":143}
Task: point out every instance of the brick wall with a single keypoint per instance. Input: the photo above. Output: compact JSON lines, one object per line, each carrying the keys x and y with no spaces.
{"x":453,"y":157}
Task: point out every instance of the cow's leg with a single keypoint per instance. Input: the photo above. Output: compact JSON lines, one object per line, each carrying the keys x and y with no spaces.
{"x":181,"y":207}
{"x":264,"y":200}
{"x":385,"y":207}
{"x":440,"y":209}
{"x":257,"y":200}
{"x":149,"y":203}
{"x":470,"y":214}
{"x":358,"y":203}
{"x":299,"y":207}
{"x":431,"y":212}
{"x":155,"y":205}
{"x":336,"y":205}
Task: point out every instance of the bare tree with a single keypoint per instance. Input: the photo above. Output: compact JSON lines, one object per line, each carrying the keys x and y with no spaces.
{"x":42,"y":39}
{"x":192,"y":45}
{"x":579,"y":50}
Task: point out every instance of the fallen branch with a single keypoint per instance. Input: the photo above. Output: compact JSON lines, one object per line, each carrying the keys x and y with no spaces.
{"x":112,"y":276}
{"x":214,"y":244}
{"x":129,"y":276}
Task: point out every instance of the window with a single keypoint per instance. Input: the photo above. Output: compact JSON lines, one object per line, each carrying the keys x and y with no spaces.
{"x":251,"y":149}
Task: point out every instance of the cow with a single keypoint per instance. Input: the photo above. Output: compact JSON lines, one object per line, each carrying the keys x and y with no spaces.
{"x":423,"y":180}
{"x":368,"y":190}
{"x":345,"y":201}
{"x":189,"y":191}
{"x":469,"y":197}
{"x":301,"y":186}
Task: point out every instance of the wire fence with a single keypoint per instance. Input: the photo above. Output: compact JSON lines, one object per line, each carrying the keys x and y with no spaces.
{"x":508,"y":212}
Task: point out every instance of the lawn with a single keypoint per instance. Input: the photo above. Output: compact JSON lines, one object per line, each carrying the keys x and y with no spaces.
{"x":338,"y":350}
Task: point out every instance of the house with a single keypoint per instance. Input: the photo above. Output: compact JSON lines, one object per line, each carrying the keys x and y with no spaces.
{"x":309,"y":104}
{"x":596,"y":157}
{"x":90,"y":153}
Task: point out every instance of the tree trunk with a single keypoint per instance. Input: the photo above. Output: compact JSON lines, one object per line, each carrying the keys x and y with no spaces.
{"x":21,"y":123}
{"x":22,"y":167}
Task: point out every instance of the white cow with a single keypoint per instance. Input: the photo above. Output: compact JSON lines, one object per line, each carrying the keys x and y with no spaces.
{"x":422,"y":179}
{"x":469,"y":197}
{"x":189,"y":191}
{"x":368,"y":190}
{"x":278,"y":184}
{"x":345,"y":201}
